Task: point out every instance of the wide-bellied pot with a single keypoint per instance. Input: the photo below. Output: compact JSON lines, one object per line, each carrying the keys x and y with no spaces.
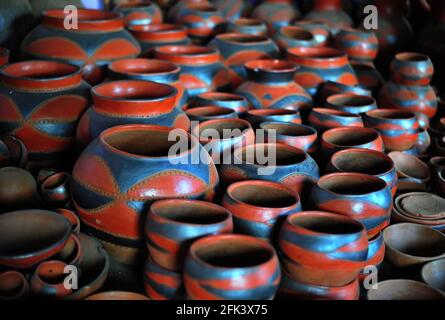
{"x":320,"y":31}
{"x":209,"y":113}
{"x":258,"y":116}
{"x":142,"y":12}
{"x":54,"y":191}
{"x":48,"y":280}
{"x":399,"y":129}
{"x":351,"y":103}
{"x":270,"y":85}
{"x":162,"y":284}
{"x":98,"y":39}
{"x":260,"y":207}
{"x":236,"y":49}
{"x":411,"y":69}
{"x":41,"y":103}
{"x":4,"y":56}
{"x":276,"y":13}
{"x":110,"y":198}
{"x":294,"y":36}
{"x":222,"y":99}
{"x":247,"y":26}
{"x":403,"y":289}
{"x":323,"y":119}
{"x":322,"y":248}
{"x":172,"y":225}
{"x":360,"y":45}
{"x":201,"y":68}
{"x":376,"y":255}
{"x":362,"y":197}
{"x":330,"y":88}
{"x":233,"y":9}
{"x":150,"y":70}
{"x":369,"y":78}
{"x":318,"y":65}
{"x":231,"y":267}
{"x":13,"y":286}
{"x":331,"y":13}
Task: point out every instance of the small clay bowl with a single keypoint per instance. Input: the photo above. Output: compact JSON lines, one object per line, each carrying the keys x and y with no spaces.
{"x":258,"y":116}
{"x":48,"y":280}
{"x":411,"y":69}
{"x":433,"y":274}
{"x":210,"y":113}
{"x":72,"y":217}
{"x":17,"y":187}
{"x":117,"y":295}
{"x":413,"y":173}
{"x":13,"y":286}
{"x":55,"y":189}
{"x":409,"y":244}
{"x":398,"y":217}
{"x":294,"y":36}
{"x":162,"y":284}
{"x":323,"y":119}
{"x":403,"y":289}
{"x":222,"y":99}
{"x":351,"y":103}
{"x":437,"y":163}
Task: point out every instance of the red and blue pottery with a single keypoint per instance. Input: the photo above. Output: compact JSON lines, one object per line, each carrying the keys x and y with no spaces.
{"x":41,"y":103}
{"x":323,"y":119}
{"x":222,"y":99}
{"x":360,"y":45}
{"x":72,"y":217}
{"x":412,"y":172}
{"x":237,"y":49}
{"x":231,"y":267}
{"x":17,"y":188}
{"x":247,"y":26}
{"x":157,"y":35}
{"x":258,"y":116}
{"x":411,"y":69}
{"x":150,"y":70}
{"x":99,"y":38}
{"x":260,"y":207}
{"x":13,"y":286}
{"x":360,"y":196}
{"x":276,"y":13}
{"x":320,"y":31}
{"x":318,"y":65}
{"x":4,"y":56}
{"x":270,"y":85}
{"x":233,"y":9}
{"x":176,"y":9}
{"x":48,"y":280}
{"x":376,"y":254}
{"x":399,"y":129}
{"x":322,"y":248}
{"x":331,"y":13}
{"x":72,"y":253}
{"x":369,"y":78}
{"x":210,"y":113}
{"x":55,"y":189}
{"x":295,"y":135}
{"x":162,"y":284}
{"x":330,"y":88}
{"x":172,"y":226}
{"x":371,"y":162}
{"x":110,"y":198}
{"x":29,"y":237}
{"x":351,"y":103}
{"x":294,"y":37}
{"x":201,"y":68}
{"x":141,"y":12}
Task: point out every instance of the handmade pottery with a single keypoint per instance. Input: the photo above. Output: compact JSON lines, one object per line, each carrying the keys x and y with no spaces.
{"x":330,"y":88}
{"x":142,"y":12}
{"x":276,"y":13}
{"x":13,"y":286}
{"x":433,"y":274}
{"x":172,"y":225}
{"x":17,"y":152}
{"x":369,"y":78}
{"x":412,"y":69}
{"x":323,"y":119}
{"x":48,"y":280}
{"x":55,"y":189}
{"x":117,"y":295}
{"x":221,"y":99}
{"x":323,"y":249}
{"x":422,"y":206}
{"x":413,"y":173}
{"x":403,"y":289}
{"x":320,"y":31}
{"x":17,"y":188}
{"x":351,"y":103}
{"x":210,"y":113}
{"x":162,"y":284}
{"x":360,"y":45}
{"x":247,"y":26}
{"x":4,"y":56}
{"x":231,"y":267}
{"x":72,"y":218}
{"x":232,"y":9}
{"x":331,"y":13}
{"x":294,"y":36}
{"x":176,"y":9}
{"x":376,"y":255}
{"x":423,"y":141}
{"x":44,"y":173}
{"x":258,"y":116}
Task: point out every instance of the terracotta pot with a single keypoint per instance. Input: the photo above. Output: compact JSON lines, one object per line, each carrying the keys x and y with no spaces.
{"x":433,"y":274}
{"x":330,"y":88}
{"x":320,"y":31}
{"x":258,"y":116}
{"x":55,"y":98}
{"x":231,"y":267}
{"x":412,"y":69}
{"x":409,"y":244}
{"x":422,"y":206}
{"x":221,"y":99}
{"x":323,"y":119}
{"x":362,"y":197}
{"x":142,"y":12}
{"x":162,"y":284}
{"x":237,"y":49}
{"x":72,"y":218}
{"x":369,"y":78}
{"x":310,"y":258}
{"x":276,"y":13}
{"x":99,"y":38}
{"x":210,"y":113}
{"x":55,"y":189}
{"x":247,"y":26}
{"x":413,"y":173}
{"x":116,"y":218}
{"x":13,"y":286}
{"x":366,"y":161}
{"x":402,"y":289}
{"x":376,"y":254}
{"x":293,"y":37}
{"x":331,"y":13}
{"x":130,"y":102}
{"x":16,"y":150}
{"x":4,"y":56}
{"x":17,"y":188}
{"x":270,"y":85}
{"x":172,"y":225}
{"x":360,"y":45}
{"x":72,"y":253}
{"x":399,"y":129}
{"x":48,"y":280}
{"x":318,"y":65}
{"x":260,"y":207}
{"x":351,"y":103}
{"x":201,"y":68}
{"x":232,"y":9}
{"x":118,"y":295}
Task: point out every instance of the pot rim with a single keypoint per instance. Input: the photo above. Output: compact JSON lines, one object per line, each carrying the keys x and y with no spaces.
{"x":393,"y":283}
{"x":272,"y":112}
{"x":417,"y":162}
{"x":362,"y":177}
{"x":365,"y":100}
{"x":271,"y":66}
{"x":382,"y":114}
{"x":119,"y":67}
{"x":406,"y":57}
{"x":380,"y":154}
{"x":158,"y":32}
{"x":183,"y":54}
{"x":335,"y":113}
{"x":428,"y":265}
{"x":234,"y":37}
{"x":363,"y":129}
{"x":197,"y":130}
{"x":195,"y":111}
{"x":310,"y":132}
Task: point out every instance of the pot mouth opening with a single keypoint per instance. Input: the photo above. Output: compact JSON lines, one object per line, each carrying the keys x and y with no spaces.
{"x":351,"y":183}
{"x":275,"y":66}
{"x":297,"y":33}
{"x":55,"y":180}
{"x":334,"y":112}
{"x":349,"y":137}
{"x":410,"y":165}
{"x":362,"y":161}
{"x":209,"y":111}
{"x":143,"y":66}
{"x":284,"y":155}
{"x":157,"y":28}
{"x":84,"y":15}
{"x":391,"y":114}
{"x":412,"y":57}
{"x":350,"y":100}
{"x":186,"y":50}
{"x":12,"y":284}
{"x":325,"y":223}
{"x":262,"y":195}
{"x":52,"y":272}
{"x":139,"y":4}
{"x":247,"y":22}
{"x":438,"y":161}
{"x":272,"y":112}
{"x":38,"y":70}
{"x":236,"y":128}
{"x":288,"y":129}
{"x":221,"y":96}
{"x":317,"y":53}
{"x":243,"y":38}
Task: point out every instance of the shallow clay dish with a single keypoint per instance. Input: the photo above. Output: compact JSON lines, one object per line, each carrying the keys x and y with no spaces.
{"x":433,"y":274}
{"x":421,"y":205}
{"x":401,"y":289}
{"x":409,"y":166}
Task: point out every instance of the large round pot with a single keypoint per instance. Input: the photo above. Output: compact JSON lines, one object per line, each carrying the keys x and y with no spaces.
{"x":412,"y":69}
{"x":323,"y":119}
{"x":140,"y":12}
{"x":276,"y":13}
{"x":320,"y":31}
{"x":360,"y":45}
{"x":331,"y":13}
{"x":110,"y":198}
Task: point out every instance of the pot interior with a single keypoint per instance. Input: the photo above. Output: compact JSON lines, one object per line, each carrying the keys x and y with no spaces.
{"x":224,"y":129}
{"x":362,"y":162}
{"x":263,"y":195}
{"x":351,"y":184}
{"x":287,"y":129}
{"x":51,"y":272}
{"x":283,"y":155}
{"x":191,"y":212}
{"x":350,"y":137}
{"x":410,"y":165}
{"x":325,"y":224}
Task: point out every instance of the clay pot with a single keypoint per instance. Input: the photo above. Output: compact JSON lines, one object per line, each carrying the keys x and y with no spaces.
{"x":433,"y":274}
{"x":72,"y":253}
{"x":423,"y":141}
{"x":270,"y":85}
{"x":117,"y":295}
{"x":330,"y":88}
{"x":323,"y":249}
{"x":176,"y":9}
{"x":44,"y":173}
{"x":237,"y":49}
{"x":17,"y":151}
{"x":318,"y":65}
{"x":320,"y":31}
{"x":72,"y":218}
{"x":142,"y":12}
{"x":48,"y":280}
{"x":99,"y":38}
{"x":331,"y":13}
{"x":232,"y":9}
{"x":376,"y":254}
{"x":4,"y":56}
{"x":221,"y":99}
{"x":13,"y":286}
{"x":130,"y":102}
{"x":201,"y":68}
{"x":293,"y":37}
{"x":162,"y":284}
{"x":360,"y":45}
{"x":421,"y":206}
{"x":437,"y":163}
{"x":399,"y":129}
{"x":323,"y":119}
{"x":172,"y":225}
{"x":31,"y":236}
{"x":409,"y":244}
{"x":210,"y":113}
{"x":258,"y":116}
{"x":276,"y":13}
{"x":144,"y":148}
{"x":351,"y":103}
{"x":55,"y":189}
{"x":231,"y":267}
{"x":369,"y":78}
{"x":260,"y":207}
{"x":55,"y":98}
{"x":362,"y":197}
{"x":17,"y":188}
{"x":412,"y":69}
{"x":365,"y":161}
{"x":402,"y":289}
{"x":413,"y":173}
{"x":247,"y":26}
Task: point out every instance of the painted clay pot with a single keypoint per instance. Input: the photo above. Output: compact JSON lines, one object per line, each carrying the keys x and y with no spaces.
{"x":360,"y":45}
{"x":365,"y":161}
{"x":411,"y":69}
{"x":231,"y":267}
{"x":323,"y":119}
{"x":201,"y":68}
{"x":398,"y":129}
{"x":330,"y":88}
{"x":72,"y":217}
{"x":270,"y":85}
{"x":258,"y":116}
{"x":293,"y":37}
{"x":176,"y":9}
{"x":403,"y":289}
{"x":369,"y":78}
{"x":150,"y":70}
{"x":295,"y":135}
{"x":233,"y":9}
{"x":237,"y":49}
{"x":413,"y":173}
{"x":351,"y":103}
{"x":423,"y":206}
{"x":318,"y":65}
{"x":42,"y":102}
{"x":118,"y":295}
{"x":72,"y":253}
{"x":423,"y":141}
{"x":247,"y":26}
{"x":221,"y":99}
{"x":331,"y":13}
{"x":13,"y":286}
{"x":260,"y":207}
{"x":162,"y":284}
{"x":4,"y":56}
{"x":210,"y":113}
{"x":17,"y":188}
{"x":48,"y":280}
{"x":55,"y":189}
{"x":362,"y":197}
{"x":130,"y":102}
{"x":142,"y":12}
{"x":433,"y":274}
{"x":116,"y":218}
{"x":276,"y":13}
{"x":376,"y":254}
{"x":320,"y":31}
{"x":323,"y":249}
{"x":99,"y":38}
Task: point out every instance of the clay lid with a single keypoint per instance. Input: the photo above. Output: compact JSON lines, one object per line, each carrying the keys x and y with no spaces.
{"x":422,"y":205}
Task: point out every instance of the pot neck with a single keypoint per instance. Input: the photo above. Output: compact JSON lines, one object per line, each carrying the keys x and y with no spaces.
{"x":323,"y":5}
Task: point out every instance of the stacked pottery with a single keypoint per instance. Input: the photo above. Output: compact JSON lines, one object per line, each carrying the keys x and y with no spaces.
{"x":276,"y":13}
{"x":140,"y":13}
{"x":320,"y":31}
{"x":331,"y":13}
{"x":247,"y":26}
{"x":209,"y":113}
